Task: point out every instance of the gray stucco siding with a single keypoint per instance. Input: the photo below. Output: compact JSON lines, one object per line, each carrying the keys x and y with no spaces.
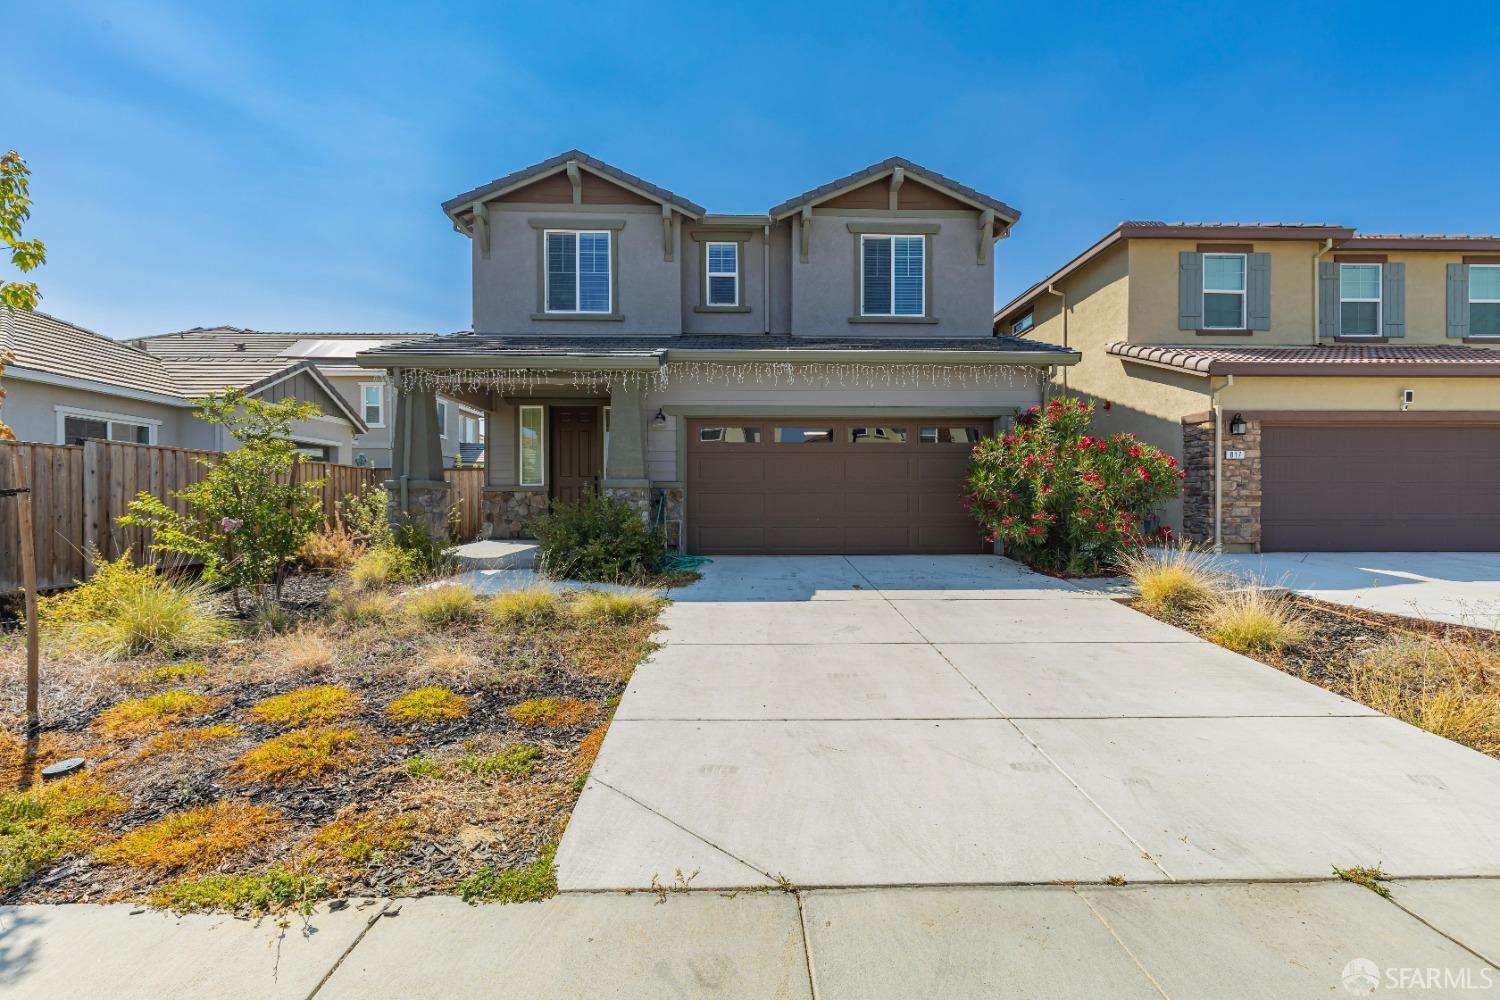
{"x":31,"y":410}
{"x":960,"y":291}
{"x":752,"y":284}
{"x":647,"y":294}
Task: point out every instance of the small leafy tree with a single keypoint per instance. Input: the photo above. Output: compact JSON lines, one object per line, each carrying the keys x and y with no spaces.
{"x":1065,"y":500}
{"x":246,"y":519}
{"x":15,"y":209}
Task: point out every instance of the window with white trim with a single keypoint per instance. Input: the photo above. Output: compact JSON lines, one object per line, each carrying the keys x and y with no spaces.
{"x":1359,"y":300}
{"x":372,"y":403}
{"x":78,"y":426}
{"x":442,"y":418}
{"x":893,"y":276}
{"x":723,"y":274}
{"x":1484,"y":300}
{"x":1224,"y":291}
{"x":578,"y":272}
{"x":472,"y":428}
{"x":529,"y":448}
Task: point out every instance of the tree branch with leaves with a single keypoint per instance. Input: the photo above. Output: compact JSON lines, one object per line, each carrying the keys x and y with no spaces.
{"x":25,"y":255}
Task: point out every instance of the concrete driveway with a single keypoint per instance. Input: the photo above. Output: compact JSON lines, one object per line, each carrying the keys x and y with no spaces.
{"x":927,"y":747}
{"x":1458,"y":587}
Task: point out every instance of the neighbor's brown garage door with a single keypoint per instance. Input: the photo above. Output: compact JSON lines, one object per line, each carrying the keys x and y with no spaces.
{"x":1378,"y":487}
{"x":816,"y":485}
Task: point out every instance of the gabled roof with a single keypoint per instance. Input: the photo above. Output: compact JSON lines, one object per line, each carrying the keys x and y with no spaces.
{"x":553,"y":164}
{"x":876,"y":170}
{"x":173,"y":368}
{"x":1155,"y":230}
{"x":1337,"y":359}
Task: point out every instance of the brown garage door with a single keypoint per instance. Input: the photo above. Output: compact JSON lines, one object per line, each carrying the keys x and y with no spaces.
{"x":1380,"y":488}
{"x":815,"y":485}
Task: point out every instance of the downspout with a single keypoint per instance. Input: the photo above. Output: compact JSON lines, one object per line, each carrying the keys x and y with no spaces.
{"x":1052,"y":290}
{"x":405,"y":441}
{"x":1327,"y":246}
{"x":1218,"y":413}
{"x":765,"y":280}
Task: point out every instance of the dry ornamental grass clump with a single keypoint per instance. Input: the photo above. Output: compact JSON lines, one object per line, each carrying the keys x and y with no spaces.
{"x":1448,"y":687}
{"x":445,"y":604}
{"x":526,"y":606}
{"x":597,"y":606}
{"x":1172,"y":580}
{"x":194,"y":840}
{"x":144,"y":715}
{"x":304,"y":652}
{"x":552,"y":713}
{"x":307,"y":706}
{"x":1253,"y":621}
{"x":428,"y":704}
{"x":303,"y":755}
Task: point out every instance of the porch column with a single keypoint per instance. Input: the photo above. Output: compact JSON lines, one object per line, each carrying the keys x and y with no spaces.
{"x":625,"y":470}
{"x":419,"y":493}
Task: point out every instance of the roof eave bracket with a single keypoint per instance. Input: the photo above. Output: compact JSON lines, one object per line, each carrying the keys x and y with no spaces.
{"x":576,"y":179}
{"x":482,"y":228}
{"x":898,"y":176}
{"x":667,"y":246}
{"x":986,"y":234}
{"x":806,"y":230}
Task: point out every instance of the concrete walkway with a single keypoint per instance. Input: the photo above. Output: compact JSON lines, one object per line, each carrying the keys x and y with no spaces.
{"x":1458,"y":587}
{"x":896,"y":778}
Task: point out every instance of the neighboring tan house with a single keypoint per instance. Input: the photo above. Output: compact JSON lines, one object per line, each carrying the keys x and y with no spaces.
{"x":370,"y":394}
{"x":68,"y":384}
{"x":1350,"y":382}
{"x":808,"y":380}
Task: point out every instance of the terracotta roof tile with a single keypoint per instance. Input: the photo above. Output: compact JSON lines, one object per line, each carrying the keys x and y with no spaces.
{"x":1352,"y":359}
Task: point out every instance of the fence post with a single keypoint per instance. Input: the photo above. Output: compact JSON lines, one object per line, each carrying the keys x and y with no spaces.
{"x":28,"y":575}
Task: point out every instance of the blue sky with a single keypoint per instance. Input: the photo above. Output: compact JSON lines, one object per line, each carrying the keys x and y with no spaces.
{"x":280,"y":165}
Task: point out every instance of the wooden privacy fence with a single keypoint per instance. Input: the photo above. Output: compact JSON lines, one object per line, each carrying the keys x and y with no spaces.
{"x":79,"y":492}
{"x":467,"y":499}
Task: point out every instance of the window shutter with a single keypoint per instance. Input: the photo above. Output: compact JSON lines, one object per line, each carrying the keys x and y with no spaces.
{"x":1189,"y":291}
{"x":1393,"y":300}
{"x":1458,"y":300}
{"x":1258,"y":290}
{"x":1328,"y":299}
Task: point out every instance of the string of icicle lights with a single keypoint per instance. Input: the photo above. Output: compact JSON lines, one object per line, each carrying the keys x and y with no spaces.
{"x":759,"y":373}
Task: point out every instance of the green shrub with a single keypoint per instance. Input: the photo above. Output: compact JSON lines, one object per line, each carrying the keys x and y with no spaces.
{"x":246,"y":519}
{"x":597,"y":538}
{"x":125,"y":610}
{"x":515,"y":761}
{"x":419,"y":766}
{"x":383,"y":566}
{"x":1064,"y":500}
{"x":526,"y":884}
{"x":432,"y":556}
{"x":271,"y":891}
{"x":366,"y":515}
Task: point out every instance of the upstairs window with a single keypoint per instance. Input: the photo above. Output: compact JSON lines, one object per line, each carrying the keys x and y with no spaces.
{"x":893,"y":273}
{"x":1359,"y":300}
{"x":1025,"y":322}
{"x":1484,"y":300}
{"x":1223,"y":291}
{"x":723,"y":274}
{"x":578,"y":270}
{"x":372,"y":403}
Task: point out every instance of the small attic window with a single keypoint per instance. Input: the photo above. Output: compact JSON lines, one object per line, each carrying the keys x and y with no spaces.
{"x":1022,"y":323}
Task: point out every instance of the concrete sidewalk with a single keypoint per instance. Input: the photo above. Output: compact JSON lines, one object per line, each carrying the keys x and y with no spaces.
{"x":1458,"y":587}
{"x":1271,"y":940}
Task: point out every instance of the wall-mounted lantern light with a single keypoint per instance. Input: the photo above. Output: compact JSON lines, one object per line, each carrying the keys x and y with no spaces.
{"x":659,"y":419}
{"x":1237,"y":424}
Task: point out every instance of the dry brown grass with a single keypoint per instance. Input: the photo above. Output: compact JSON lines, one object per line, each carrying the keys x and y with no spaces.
{"x":552,"y":713}
{"x":428,"y":705}
{"x":330,"y":549}
{"x":1253,"y":621}
{"x":617,"y":609}
{"x":303,"y":755}
{"x":365,"y":609}
{"x":144,"y":715}
{"x":194,"y":840}
{"x":445,"y":604}
{"x":1447,"y":686}
{"x":174,"y":740}
{"x":450,"y":663}
{"x":588,"y":748}
{"x":525,"y":606}
{"x":307,"y":706}
{"x":303,"y":652}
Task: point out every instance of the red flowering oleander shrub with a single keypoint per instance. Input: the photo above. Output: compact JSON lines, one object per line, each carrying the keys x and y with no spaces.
{"x":1063,"y":500}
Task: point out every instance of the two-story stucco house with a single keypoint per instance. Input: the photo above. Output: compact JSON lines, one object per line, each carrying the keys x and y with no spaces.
{"x":807,"y":380}
{"x":1326,"y":390}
